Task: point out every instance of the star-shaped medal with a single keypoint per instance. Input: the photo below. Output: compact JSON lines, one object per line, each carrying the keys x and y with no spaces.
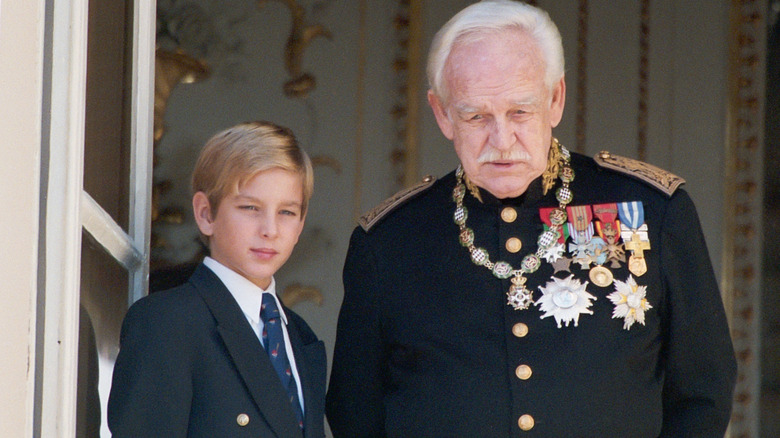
{"x":565,"y":300}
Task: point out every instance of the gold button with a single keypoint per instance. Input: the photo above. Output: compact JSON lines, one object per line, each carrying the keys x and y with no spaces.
{"x":242,"y":419}
{"x":526,"y":422}
{"x":513,"y":244}
{"x":509,"y":214}
{"x":520,"y":330}
{"x":523,"y":372}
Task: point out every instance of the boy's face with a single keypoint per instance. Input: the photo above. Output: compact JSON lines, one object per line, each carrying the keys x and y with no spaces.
{"x":255,"y":229}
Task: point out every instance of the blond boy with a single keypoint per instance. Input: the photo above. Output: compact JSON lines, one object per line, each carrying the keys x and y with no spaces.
{"x":220,"y":355}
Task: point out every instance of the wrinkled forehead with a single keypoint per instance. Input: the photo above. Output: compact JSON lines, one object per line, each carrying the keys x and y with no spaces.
{"x":494,"y":61}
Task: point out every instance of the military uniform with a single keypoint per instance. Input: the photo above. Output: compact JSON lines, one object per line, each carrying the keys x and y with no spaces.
{"x":428,"y":346}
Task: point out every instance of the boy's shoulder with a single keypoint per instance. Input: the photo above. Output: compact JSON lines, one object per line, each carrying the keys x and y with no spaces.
{"x":168,"y":304}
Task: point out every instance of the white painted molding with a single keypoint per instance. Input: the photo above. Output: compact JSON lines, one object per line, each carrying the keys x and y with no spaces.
{"x":63,"y":218}
{"x":101,"y":226}
{"x":142,"y":146}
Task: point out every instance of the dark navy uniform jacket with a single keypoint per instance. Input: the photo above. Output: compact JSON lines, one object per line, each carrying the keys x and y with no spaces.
{"x":190,"y":365}
{"x":428,"y":347}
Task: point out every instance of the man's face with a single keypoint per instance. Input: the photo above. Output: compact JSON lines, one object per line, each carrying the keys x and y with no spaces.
{"x":255,"y":229}
{"x":499,"y":113}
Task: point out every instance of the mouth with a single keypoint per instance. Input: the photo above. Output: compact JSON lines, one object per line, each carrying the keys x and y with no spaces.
{"x":264,"y":253}
{"x":503,"y":164}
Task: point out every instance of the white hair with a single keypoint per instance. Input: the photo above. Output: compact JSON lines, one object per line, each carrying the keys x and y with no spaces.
{"x":490,"y":16}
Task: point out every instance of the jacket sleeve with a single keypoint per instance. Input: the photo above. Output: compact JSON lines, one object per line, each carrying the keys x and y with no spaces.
{"x":151,"y":387}
{"x":699,"y":363}
{"x":355,"y":405}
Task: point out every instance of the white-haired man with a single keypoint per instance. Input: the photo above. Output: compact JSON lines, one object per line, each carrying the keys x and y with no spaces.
{"x":531,"y":292}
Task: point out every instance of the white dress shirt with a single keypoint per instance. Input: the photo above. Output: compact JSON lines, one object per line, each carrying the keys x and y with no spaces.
{"x":250,"y":298}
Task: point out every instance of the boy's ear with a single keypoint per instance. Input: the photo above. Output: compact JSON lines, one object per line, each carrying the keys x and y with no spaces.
{"x":202,"y":210}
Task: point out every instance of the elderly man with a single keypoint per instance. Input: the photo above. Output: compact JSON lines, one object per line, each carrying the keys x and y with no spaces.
{"x":532,"y":291}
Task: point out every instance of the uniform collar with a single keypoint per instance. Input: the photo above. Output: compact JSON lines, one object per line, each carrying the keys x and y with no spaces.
{"x":532,"y":195}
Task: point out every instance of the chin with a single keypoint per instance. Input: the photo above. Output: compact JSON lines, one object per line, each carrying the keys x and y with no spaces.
{"x":508,"y":192}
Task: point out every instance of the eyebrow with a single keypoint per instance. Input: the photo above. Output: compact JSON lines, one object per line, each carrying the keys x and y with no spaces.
{"x":467,"y":108}
{"x":241,"y":197}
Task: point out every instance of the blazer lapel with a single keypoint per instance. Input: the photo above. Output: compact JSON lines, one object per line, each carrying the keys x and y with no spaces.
{"x":247,"y":353}
{"x":311,"y":363}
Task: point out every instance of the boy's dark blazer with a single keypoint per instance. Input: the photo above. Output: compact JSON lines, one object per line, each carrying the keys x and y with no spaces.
{"x":191,"y":365}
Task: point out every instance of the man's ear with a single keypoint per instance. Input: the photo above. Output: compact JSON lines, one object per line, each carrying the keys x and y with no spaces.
{"x":557,"y":102}
{"x":442,"y":119}
{"x":201,"y":208}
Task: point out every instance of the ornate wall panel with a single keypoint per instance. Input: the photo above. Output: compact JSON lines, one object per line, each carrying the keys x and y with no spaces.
{"x":743,"y":206}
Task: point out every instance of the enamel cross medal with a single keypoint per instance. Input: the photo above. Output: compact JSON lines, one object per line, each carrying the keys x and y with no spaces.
{"x":633,"y":230}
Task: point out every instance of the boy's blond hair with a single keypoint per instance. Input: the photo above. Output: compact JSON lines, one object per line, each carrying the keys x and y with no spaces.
{"x":232,"y":157}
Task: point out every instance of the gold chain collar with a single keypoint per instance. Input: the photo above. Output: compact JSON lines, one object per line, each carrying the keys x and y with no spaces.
{"x":518,"y":295}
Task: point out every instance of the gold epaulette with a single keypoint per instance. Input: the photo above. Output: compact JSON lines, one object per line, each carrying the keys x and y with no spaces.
{"x":662,"y":180}
{"x":376,"y":214}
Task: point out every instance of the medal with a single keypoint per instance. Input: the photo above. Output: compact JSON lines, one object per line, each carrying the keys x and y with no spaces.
{"x":630,"y":302}
{"x":565,"y":300}
{"x":633,"y":231}
{"x":600,"y":276}
{"x":519,"y":297}
{"x":585,"y":248}
{"x":553,"y":217}
{"x":608,"y":227}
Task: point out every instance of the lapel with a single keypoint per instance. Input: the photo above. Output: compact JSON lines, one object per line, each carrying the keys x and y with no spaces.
{"x":311,"y":363}
{"x":247,"y":353}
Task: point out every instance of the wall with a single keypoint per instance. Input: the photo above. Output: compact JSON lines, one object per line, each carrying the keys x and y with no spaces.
{"x":21,"y":36}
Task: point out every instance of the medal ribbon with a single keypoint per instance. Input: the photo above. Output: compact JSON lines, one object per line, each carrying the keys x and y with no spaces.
{"x":544,"y":214}
{"x":607,"y":218}
{"x":580,"y":223}
{"x":632,"y":214}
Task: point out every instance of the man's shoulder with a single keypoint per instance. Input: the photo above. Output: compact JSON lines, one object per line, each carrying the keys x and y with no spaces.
{"x":393,"y":203}
{"x":660,"y":179}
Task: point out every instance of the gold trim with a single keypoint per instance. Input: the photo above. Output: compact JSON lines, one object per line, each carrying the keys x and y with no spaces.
{"x":664,"y":181}
{"x":368,"y":220}
{"x":742,"y":205}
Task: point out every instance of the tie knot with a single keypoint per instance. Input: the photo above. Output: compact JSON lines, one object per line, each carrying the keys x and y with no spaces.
{"x":269,"y":310}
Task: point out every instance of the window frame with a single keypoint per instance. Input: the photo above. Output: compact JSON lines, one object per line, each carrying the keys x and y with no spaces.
{"x":69,"y":209}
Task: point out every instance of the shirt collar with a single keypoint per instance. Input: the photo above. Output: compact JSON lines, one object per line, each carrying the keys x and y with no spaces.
{"x":247,"y":294}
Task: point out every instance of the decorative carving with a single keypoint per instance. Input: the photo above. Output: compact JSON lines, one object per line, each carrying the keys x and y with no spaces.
{"x":171,"y":69}
{"x":408,"y":65}
{"x":296,"y":293}
{"x":301,"y":35}
{"x":644,"y":78}
{"x":582,"y":76}
{"x":741,"y":244}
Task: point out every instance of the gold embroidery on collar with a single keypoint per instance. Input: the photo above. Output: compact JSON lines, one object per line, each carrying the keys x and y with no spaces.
{"x":553,"y":167}
{"x":472,"y":188}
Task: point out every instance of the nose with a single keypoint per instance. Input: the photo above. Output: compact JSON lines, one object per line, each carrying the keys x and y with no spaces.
{"x":501,"y":135}
{"x":268,"y":226}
